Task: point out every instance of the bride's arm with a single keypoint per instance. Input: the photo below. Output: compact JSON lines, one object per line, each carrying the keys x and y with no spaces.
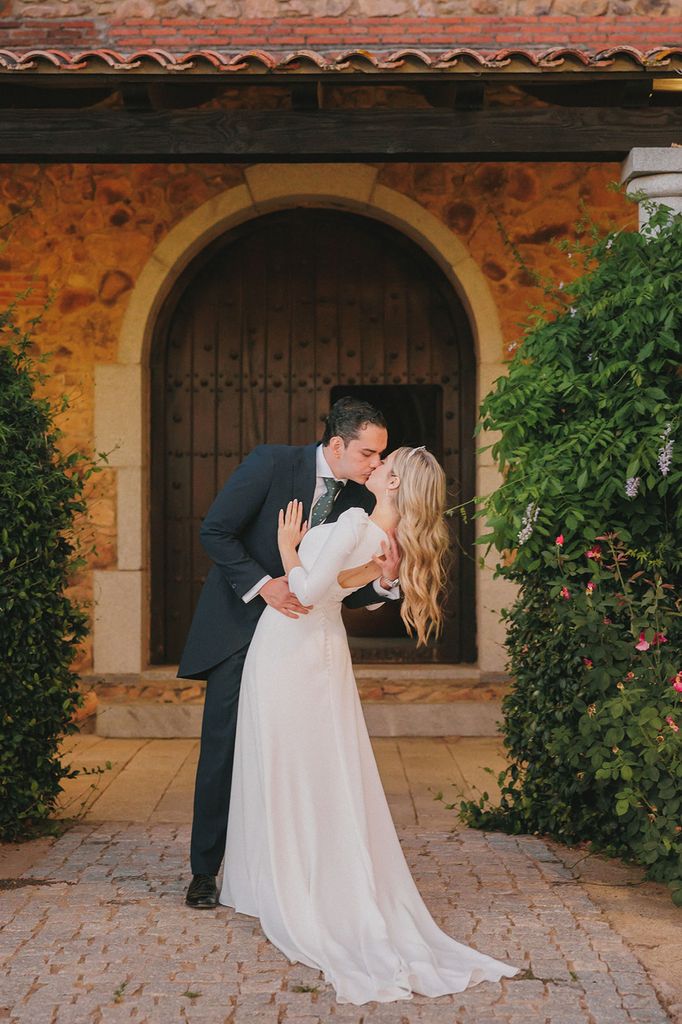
{"x":359,"y":576}
{"x":310,"y":585}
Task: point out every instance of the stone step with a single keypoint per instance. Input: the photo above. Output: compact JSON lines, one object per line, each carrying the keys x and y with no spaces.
{"x":398,"y":700}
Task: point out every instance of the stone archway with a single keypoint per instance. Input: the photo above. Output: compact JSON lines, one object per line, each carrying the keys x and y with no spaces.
{"x":121,"y":388}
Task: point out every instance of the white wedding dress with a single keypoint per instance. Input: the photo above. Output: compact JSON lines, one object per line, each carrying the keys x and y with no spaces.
{"x":311,"y":847}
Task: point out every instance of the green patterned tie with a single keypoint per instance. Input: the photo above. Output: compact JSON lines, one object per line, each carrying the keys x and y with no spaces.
{"x":323,"y":505}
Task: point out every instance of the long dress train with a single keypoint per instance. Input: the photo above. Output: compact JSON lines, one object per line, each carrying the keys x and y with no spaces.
{"x":311,"y":847}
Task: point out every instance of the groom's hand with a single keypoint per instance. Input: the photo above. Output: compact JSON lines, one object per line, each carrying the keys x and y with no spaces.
{"x":276,"y":593}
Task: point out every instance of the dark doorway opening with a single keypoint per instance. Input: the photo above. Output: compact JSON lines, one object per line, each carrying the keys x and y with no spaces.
{"x":413,"y":412}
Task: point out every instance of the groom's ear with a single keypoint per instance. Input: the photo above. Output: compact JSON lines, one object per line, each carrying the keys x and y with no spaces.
{"x":336,"y":446}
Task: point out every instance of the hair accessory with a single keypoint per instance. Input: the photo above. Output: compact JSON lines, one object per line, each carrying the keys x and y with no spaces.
{"x":421,"y":448}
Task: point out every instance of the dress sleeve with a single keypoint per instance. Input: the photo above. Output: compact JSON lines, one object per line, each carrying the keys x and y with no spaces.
{"x":311,"y":585}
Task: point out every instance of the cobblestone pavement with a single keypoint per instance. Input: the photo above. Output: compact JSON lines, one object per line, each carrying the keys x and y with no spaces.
{"x":97,"y":932}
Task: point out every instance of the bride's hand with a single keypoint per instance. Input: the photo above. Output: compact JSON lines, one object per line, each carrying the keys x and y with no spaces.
{"x":290,"y":530}
{"x":388,"y":559}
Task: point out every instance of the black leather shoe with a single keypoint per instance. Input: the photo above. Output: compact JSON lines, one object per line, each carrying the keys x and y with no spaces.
{"x":202,"y":893}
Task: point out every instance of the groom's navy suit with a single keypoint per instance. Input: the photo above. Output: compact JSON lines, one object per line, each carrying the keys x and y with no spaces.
{"x":239,"y":533}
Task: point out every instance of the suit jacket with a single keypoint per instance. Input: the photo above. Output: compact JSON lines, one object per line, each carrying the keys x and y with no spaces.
{"x":240,"y":535}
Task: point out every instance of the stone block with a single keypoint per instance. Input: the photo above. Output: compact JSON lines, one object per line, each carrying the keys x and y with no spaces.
{"x":458,"y":718}
{"x":118,"y":413}
{"x":144,"y":719}
{"x":300,"y":182}
{"x":118,"y":621}
{"x":646,"y":160}
{"x":129,"y":515}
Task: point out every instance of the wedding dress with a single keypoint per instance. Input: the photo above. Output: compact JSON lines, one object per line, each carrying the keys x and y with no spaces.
{"x":311,"y":847}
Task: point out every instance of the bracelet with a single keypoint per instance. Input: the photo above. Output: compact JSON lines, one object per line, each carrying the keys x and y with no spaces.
{"x":389,"y":584}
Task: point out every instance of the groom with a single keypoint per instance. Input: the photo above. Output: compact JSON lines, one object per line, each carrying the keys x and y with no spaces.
{"x":239,"y":533}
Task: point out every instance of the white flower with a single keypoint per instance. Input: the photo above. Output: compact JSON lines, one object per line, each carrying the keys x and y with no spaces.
{"x":528,"y":521}
{"x":572,"y":310}
{"x":609,"y":243}
{"x":665,"y":454}
{"x":632,"y":486}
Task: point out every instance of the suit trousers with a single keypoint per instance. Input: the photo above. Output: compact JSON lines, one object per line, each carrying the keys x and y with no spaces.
{"x":214,"y":770}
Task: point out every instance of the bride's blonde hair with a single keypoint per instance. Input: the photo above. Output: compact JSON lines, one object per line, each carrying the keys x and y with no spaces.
{"x":423,"y":538}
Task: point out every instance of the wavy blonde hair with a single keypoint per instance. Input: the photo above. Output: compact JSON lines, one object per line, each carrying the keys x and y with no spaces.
{"x":423,"y":538}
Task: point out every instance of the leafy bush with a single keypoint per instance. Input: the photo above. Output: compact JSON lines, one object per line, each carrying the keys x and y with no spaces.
{"x":590,"y":515}
{"x":40,"y":493}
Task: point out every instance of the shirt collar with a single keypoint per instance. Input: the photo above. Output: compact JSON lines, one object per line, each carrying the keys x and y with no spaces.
{"x":322,"y":466}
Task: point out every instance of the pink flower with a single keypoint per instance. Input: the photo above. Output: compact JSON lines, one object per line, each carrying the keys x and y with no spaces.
{"x":659,"y":638}
{"x":642,"y":644}
{"x":677,"y":682}
{"x":565,"y":593}
{"x":588,"y":663}
{"x":630,"y":675}
{"x":671,"y":723}
{"x":560,"y":540}
{"x":594,"y":552}
{"x":590,"y":587}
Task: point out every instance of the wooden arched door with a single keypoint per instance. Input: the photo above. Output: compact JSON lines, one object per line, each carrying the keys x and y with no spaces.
{"x":267,"y":327}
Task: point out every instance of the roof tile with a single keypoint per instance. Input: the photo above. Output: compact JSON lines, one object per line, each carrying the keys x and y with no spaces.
{"x":335,"y":44}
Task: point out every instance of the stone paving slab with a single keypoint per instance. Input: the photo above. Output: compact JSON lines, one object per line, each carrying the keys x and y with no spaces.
{"x":97,"y":933}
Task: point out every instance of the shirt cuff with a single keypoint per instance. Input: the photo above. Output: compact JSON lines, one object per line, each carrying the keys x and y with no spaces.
{"x":250,"y":594}
{"x":393,"y":594}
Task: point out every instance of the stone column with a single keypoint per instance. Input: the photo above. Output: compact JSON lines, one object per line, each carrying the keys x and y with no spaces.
{"x":119,"y":639}
{"x":658,"y":173}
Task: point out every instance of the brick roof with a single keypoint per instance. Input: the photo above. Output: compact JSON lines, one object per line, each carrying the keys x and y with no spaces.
{"x":341,"y":44}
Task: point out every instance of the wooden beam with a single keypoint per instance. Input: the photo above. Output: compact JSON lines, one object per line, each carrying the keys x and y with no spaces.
{"x":596,"y":133}
{"x":136,"y":97}
{"x":305,"y":96}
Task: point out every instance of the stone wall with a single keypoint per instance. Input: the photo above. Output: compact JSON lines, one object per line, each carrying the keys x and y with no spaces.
{"x":81,"y":234}
{"x":335,"y":8}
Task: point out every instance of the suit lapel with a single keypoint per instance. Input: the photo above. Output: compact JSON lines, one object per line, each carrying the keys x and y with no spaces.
{"x":304,"y":478}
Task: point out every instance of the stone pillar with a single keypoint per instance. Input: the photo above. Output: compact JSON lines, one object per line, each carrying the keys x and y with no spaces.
{"x":658,"y":173}
{"x":120,"y":626}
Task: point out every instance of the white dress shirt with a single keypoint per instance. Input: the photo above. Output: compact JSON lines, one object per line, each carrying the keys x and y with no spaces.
{"x":322,"y":471}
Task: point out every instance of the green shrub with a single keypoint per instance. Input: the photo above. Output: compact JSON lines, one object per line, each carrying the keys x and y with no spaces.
{"x":40,"y":493}
{"x":590,"y":514}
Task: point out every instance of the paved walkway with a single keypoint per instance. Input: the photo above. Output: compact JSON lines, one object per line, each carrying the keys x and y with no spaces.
{"x":153,"y":780}
{"x":99,"y":933}
{"x":95,"y":930}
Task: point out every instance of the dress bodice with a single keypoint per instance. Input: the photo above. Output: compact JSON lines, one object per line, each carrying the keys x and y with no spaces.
{"x":329,"y":548}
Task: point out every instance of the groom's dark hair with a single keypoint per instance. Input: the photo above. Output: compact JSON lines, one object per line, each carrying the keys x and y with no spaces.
{"x":347,"y":417}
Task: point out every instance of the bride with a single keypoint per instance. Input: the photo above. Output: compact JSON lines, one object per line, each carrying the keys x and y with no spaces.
{"x":311,"y":847}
